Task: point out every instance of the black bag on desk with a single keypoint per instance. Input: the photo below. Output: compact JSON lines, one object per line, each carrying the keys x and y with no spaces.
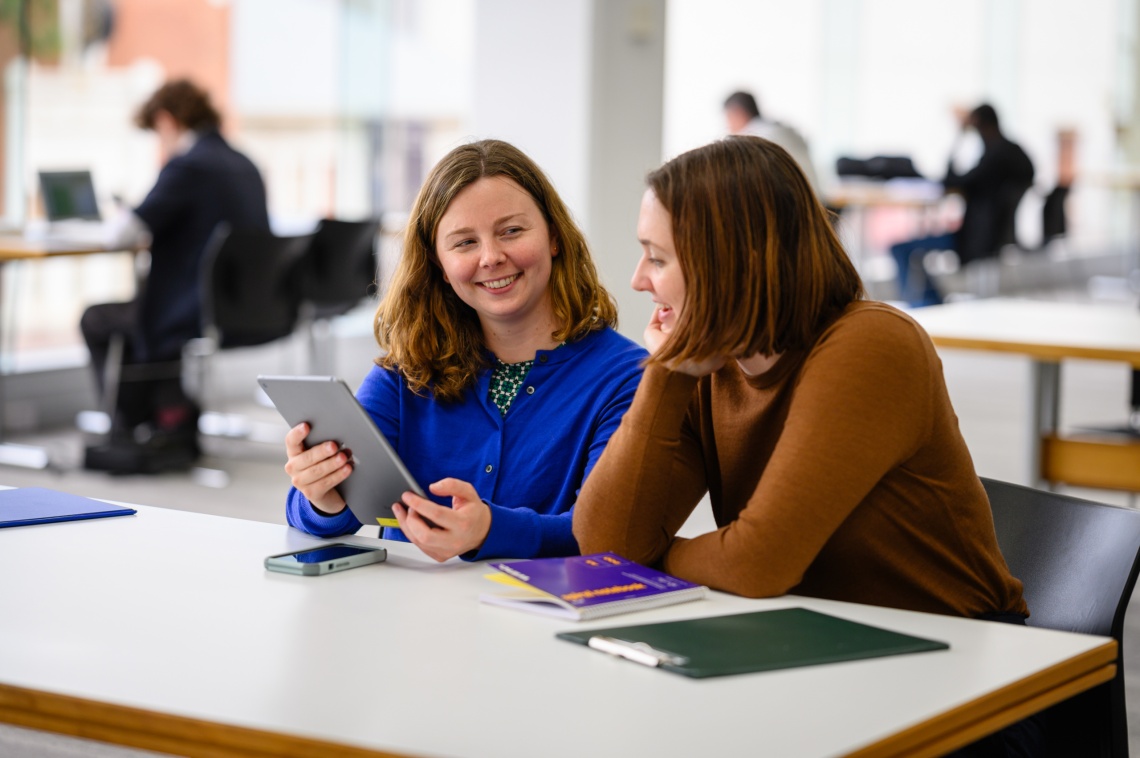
{"x":878,"y":167}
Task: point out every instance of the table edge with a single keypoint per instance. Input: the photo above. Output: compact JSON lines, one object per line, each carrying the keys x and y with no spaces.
{"x":164,"y":732}
{"x":159,"y":731}
{"x":1053,"y":353}
{"x":970,"y":721}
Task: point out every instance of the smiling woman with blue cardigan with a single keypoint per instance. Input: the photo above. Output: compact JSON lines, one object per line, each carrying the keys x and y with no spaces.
{"x":502,"y":378}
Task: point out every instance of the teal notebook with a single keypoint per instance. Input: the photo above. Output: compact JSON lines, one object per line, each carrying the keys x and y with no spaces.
{"x":746,"y":642}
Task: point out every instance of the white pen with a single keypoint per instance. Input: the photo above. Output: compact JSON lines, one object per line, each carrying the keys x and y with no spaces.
{"x":624,"y":649}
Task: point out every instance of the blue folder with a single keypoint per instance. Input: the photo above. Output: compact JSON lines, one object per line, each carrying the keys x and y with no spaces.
{"x":37,"y":505}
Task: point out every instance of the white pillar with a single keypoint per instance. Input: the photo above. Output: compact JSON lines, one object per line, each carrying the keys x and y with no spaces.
{"x":578,"y":86}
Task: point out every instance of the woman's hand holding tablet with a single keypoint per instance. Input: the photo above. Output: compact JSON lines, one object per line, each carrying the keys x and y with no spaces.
{"x":443,"y":532}
{"x":345,"y":449}
{"x":317,"y":471}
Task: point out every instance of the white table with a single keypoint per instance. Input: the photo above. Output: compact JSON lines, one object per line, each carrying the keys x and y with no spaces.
{"x":163,"y":631}
{"x":1047,"y":333}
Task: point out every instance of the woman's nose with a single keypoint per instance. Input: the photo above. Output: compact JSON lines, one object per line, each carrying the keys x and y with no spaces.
{"x":492,"y":255}
{"x":639,"y":282}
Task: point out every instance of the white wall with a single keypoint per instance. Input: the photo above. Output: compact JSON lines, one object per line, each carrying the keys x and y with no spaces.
{"x":627,"y":111}
{"x":284,"y":57}
{"x":578,"y":85}
{"x":531,"y":86}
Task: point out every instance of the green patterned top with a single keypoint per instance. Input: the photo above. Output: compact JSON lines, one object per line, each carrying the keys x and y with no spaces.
{"x":506,"y":381}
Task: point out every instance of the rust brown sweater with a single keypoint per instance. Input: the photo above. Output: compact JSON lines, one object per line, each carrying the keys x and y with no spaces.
{"x":839,"y":473}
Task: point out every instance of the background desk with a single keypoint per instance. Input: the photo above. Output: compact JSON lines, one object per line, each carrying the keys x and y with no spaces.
{"x":162,"y":630}
{"x":1048,"y":333}
{"x":858,"y":198}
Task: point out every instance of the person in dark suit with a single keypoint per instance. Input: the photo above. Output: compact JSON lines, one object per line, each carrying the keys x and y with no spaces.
{"x":204,"y":182}
{"x":992,"y":190}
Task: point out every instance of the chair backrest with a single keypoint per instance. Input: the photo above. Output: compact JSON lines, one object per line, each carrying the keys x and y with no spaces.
{"x":1053,"y":218}
{"x":1078,"y":561}
{"x":340,"y":268}
{"x":1076,"y":558}
{"x":250,"y":293}
{"x":1008,"y":201}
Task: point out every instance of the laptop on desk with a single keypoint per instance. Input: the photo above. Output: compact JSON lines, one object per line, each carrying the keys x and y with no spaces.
{"x":71,"y":208}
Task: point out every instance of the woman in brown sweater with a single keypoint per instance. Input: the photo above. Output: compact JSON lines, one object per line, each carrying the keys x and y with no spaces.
{"x":818,"y":422}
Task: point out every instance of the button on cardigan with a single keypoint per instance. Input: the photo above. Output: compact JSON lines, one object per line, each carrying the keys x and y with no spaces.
{"x":527,"y":465}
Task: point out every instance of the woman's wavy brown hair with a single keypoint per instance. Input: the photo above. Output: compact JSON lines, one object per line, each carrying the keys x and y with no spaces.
{"x":431,"y":336}
{"x":764,"y":270}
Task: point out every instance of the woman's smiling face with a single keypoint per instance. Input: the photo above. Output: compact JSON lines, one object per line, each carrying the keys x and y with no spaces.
{"x":658,"y":271}
{"x":495,"y":250}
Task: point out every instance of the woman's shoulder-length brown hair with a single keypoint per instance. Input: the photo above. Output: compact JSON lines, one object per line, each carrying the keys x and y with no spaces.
{"x":764,"y":270}
{"x":431,"y":336}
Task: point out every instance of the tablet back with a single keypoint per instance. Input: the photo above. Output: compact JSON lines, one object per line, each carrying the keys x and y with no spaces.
{"x":379,"y":477}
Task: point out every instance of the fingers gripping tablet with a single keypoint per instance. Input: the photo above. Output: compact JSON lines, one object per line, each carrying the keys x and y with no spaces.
{"x":379,"y":478}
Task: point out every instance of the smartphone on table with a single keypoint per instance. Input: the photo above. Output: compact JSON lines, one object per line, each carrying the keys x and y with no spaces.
{"x":325,"y":559}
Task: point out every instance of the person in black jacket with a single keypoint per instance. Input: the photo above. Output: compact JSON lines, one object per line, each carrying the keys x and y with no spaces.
{"x":204,"y":182}
{"x":992,"y":190}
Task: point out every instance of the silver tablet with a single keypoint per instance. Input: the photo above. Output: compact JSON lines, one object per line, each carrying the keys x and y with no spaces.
{"x":378,"y":477}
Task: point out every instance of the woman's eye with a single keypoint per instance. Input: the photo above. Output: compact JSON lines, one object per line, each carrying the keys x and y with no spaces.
{"x":656,"y":262}
{"x":512,"y":230}
{"x":464,"y":243}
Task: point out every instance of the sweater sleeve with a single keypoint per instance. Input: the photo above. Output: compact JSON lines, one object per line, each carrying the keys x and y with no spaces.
{"x":523,"y":533}
{"x":862,"y":407}
{"x":650,"y":477}
{"x":300,"y":513}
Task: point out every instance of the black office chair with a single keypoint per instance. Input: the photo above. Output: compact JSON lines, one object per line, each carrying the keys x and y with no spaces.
{"x":250,"y":296}
{"x":1078,"y":561}
{"x":338,"y":272}
{"x":1054,"y":219}
{"x":1134,"y":418}
{"x":979,"y":272}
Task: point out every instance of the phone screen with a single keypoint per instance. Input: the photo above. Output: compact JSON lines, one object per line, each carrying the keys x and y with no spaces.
{"x":327,"y":553}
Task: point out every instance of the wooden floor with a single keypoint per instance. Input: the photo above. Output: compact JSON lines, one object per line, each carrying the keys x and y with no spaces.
{"x":988,"y":392}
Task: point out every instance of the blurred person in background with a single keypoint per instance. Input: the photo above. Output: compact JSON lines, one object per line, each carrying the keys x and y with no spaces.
{"x":742,"y":116}
{"x":992,"y":189}
{"x":203,"y":182}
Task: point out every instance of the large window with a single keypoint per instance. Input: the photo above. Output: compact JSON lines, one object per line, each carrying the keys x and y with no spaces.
{"x":343,"y":104}
{"x":880,"y":77}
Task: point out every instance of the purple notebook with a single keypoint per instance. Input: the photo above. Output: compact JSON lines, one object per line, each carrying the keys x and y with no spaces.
{"x":587,"y":586}
{"x":37,"y":505}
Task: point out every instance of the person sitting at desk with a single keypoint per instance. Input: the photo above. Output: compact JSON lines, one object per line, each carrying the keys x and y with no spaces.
{"x":818,"y":421}
{"x":501,"y":378}
{"x":992,"y":190}
{"x":204,"y":182}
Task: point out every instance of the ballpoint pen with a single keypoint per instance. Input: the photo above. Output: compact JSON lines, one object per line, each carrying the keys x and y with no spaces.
{"x":638,"y":652}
